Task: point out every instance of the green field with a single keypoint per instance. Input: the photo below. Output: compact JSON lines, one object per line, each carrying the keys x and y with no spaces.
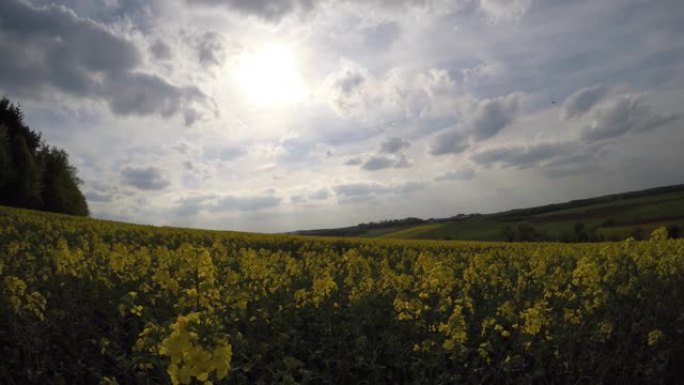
{"x":610,"y":218}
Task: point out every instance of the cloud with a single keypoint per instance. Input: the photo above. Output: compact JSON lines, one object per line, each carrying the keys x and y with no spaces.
{"x":492,"y":115}
{"x":628,"y":113}
{"x":51,"y":48}
{"x":223,"y":152}
{"x":375,"y":163}
{"x":143,"y":94}
{"x":473,"y":75}
{"x":582,"y":161}
{"x":93,"y":197}
{"x":450,"y":142}
{"x":553,"y":159}
{"x":355,"y":161}
{"x":348,"y":88}
{"x":381,"y":36}
{"x":499,"y":10}
{"x":600,"y":122}
{"x":160,"y":50}
{"x":393,"y":145}
{"x":271,"y":10}
{"x":481,"y":120}
{"x":210,"y":49}
{"x":380,"y":162}
{"x":148,"y":178}
{"x":522,"y":156}
{"x":356,"y":192}
{"x":314,"y":196}
{"x":276,"y":10}
{"x":424,"y":97}
{"x":192,"y":205}
{"x":458,"y":174}
{"x":246,"y":203}
{"x":582,"y":101}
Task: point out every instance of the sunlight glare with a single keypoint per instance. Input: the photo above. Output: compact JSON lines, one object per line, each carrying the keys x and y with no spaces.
{"x":270,"y":76}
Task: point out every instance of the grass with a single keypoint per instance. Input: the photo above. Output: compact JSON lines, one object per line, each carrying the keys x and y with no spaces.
{"x":415,"y":232}
{"x":615,"y":220}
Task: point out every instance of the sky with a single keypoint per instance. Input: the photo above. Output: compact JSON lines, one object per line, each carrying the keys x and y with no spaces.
{"x":278,"y":115}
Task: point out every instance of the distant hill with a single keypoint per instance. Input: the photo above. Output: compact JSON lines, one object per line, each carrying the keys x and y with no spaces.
{"x":606,"y":218}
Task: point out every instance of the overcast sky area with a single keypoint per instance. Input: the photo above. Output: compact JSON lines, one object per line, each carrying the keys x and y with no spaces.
{"x":278,"y":115}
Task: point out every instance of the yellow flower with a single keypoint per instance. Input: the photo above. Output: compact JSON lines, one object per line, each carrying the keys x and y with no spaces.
{"x":655,"y":337}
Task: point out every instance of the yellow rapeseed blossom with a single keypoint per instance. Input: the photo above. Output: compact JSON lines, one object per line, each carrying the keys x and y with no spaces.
{"x":655,"y":337}
{"x":189,"y":358}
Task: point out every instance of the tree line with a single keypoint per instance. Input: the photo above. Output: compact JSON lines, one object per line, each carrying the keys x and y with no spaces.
{"x":33,"y":174}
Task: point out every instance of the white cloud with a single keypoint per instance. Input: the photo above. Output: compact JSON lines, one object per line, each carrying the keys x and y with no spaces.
{"x":403,"y":91}
{"x":462,"y":174}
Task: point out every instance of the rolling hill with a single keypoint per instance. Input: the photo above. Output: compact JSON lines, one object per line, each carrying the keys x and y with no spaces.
{"x":611,"y":217}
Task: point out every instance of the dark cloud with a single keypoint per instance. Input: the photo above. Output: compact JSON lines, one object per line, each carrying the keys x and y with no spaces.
{"x":582,"y":101}
{"x":624,"y":114}
{"x":143,"y":94}
{"x":148,"y":178}
{"x":355,"y":161}
{"x":51,"y":48}
{"x":450,"y":142}
{"x":492,"y":115}
{"x":377,"y":163}
{"x":348,"y":87}
{"x":139,"y":12}
{"x":458,"y":174}
{"x":160,"y":50}
{"x":210,"y":49}
{"x":554,"y":160}
{"x":394,"y":145}
{"x":380,"y":162}
{"x":522,"y":156}
{"x":580,"y":162}
{"x":350,"y":81}
{"x":246,"y":203}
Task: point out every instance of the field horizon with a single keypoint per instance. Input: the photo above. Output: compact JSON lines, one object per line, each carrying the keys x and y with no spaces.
{"x":612,"y":217}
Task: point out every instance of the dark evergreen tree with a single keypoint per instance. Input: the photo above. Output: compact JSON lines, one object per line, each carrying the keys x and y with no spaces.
{"x":28,"y":176}
{"x":60,"y":185}
{"x":6,"y":164}
{"x":33,"y":174}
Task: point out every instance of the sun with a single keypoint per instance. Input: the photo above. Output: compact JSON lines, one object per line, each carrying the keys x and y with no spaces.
{"x":270,"y":76}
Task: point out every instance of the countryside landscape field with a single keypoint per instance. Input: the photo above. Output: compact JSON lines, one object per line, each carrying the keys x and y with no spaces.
{"x":608,"y":218}
{"x":88,"y":301}
{"x":341,"y":192}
